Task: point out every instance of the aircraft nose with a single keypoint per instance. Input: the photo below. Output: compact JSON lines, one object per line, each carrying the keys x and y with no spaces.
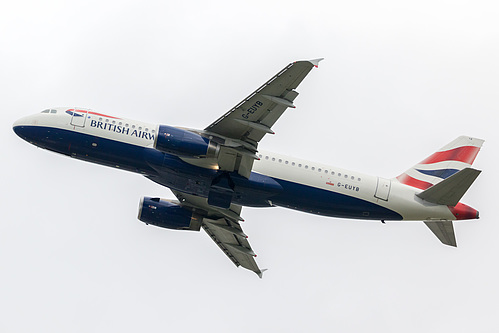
{"x":18,"y":123}
{"x":21,"y":126}
{"x":17,"y":126}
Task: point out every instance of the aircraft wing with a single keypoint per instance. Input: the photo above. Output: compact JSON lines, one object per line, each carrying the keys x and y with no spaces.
{"x":223,"y":226}
{"x":248,"y":122}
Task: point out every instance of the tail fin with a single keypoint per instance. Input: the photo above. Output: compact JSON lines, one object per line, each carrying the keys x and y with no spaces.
{"x":450,"y":159}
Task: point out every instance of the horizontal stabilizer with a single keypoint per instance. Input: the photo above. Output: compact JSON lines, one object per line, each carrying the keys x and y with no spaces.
{"x":444,"y":230}
{"x":450,"y":190}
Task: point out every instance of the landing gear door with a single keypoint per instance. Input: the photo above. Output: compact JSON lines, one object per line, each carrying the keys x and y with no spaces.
{"x":383,"y":188}
{"x":79,"y":117}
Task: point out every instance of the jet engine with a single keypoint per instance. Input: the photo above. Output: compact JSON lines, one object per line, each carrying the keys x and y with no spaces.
{"x":184,"y":143}
{"x":168,"y":214}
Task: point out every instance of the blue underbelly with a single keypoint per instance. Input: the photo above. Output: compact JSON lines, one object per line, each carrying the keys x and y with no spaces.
{"x":322,"y":202}
{"x":172,"y":172}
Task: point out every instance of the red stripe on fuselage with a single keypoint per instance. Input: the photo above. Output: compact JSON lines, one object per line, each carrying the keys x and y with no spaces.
{"x":94,"y":113}
{"x":408,"y":180}
{"x":102,"y":115}
{"x":465,"y":154}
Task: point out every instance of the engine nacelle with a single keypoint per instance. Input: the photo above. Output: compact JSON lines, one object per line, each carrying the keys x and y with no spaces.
{"x":168,"y":214}
{"x":183,"y":143}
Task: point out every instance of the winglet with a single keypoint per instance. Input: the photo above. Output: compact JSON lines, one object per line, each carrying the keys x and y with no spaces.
{"x":260,"y":274}
{"x":315,"y":62}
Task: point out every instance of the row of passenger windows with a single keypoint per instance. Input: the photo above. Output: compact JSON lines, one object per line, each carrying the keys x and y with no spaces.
{"x":299,"y":165}
{"x":107,"y":121}
{"x":126,"y":125}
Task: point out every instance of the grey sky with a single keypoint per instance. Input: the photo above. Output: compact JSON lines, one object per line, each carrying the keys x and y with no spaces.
{"x":398,"y":82}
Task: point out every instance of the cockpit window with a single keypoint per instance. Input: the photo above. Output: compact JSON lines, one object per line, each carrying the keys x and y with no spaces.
{"x":46,"y":111}
{"x":53,"y":111}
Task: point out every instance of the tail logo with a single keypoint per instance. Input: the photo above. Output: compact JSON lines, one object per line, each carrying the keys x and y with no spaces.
{"x":454,"y":157}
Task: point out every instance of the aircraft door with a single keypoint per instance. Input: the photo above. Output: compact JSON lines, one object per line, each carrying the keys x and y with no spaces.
{"x":383,"y":188}
{"x":79,"y":117}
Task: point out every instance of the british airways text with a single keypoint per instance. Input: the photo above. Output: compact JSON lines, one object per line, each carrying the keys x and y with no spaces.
{"x":122,"y":130}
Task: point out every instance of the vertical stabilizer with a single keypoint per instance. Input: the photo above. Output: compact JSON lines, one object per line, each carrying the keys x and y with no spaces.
{"x":450,"y":159}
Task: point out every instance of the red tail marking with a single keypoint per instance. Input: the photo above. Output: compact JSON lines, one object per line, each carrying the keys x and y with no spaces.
{"x":465,"y":154}
{"x":464,"y":212}
{"x":408,"y":180}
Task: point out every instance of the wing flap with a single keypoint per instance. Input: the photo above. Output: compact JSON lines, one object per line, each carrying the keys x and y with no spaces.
{"x":223,"y":227}
{"x":229,"y":236}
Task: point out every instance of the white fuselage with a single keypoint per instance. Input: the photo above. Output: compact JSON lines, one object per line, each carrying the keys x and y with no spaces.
{"x":386,"y":193}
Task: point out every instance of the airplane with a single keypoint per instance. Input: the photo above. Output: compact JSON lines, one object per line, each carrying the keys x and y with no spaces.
{"x":216,"y":171}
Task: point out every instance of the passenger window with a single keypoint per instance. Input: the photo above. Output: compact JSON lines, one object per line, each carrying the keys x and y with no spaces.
{"x":293,"y":163}
{"x":325,"y":171}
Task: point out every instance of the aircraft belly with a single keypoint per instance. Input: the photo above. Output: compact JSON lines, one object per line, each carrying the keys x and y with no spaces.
{"x":89,"y":148}
{"x":329,"y":203}
{"x":165,"y":169}
{"x":258,"y":191}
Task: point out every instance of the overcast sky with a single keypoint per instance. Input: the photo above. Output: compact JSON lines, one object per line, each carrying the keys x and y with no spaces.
{"x":398,"y":82}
